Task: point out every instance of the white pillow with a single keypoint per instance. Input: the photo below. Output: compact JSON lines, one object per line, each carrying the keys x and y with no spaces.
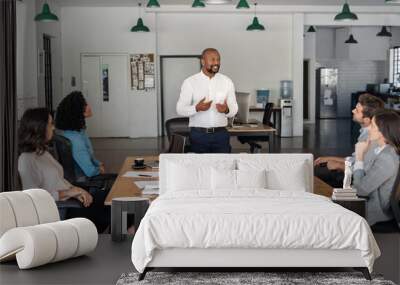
{"x":292,"y":178}
{"x":227,"y":179}
{"x":251,"y":178}
{"x":223,"y":179}
{"x":288,"y":175}
{"x":182,"y":177}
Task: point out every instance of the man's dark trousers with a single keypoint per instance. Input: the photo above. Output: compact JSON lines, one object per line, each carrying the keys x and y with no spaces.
{"x":209,"y":142}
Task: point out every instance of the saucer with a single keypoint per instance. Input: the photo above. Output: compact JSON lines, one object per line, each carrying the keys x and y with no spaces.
{"x":139,"y":167}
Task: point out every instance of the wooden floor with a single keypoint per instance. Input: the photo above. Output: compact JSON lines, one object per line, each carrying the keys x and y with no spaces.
{"x":327,"y":137}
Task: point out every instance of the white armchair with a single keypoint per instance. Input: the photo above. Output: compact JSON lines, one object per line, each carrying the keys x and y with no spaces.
{"x":31,"y":230}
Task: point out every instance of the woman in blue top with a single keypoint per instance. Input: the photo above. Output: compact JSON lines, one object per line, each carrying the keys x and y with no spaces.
{"x":70,"y":118}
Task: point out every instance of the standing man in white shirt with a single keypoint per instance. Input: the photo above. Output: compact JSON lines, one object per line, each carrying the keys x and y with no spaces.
{"x":208,"y":99}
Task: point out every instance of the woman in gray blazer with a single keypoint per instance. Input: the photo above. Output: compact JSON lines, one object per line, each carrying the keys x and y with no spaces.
{"x":38,"y":169}
{"x":374,"y":178}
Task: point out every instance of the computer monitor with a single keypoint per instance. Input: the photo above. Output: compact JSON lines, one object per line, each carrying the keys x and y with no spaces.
{"x":243,"y":101}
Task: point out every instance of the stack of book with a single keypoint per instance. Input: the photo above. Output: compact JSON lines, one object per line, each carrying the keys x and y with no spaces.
{"x":344,"y":194}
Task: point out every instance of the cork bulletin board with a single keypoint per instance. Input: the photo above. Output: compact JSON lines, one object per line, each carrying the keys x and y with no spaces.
{"x":142,"y":71}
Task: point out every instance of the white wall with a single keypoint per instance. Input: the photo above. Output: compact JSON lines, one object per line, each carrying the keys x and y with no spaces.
{"x":253,"y":60}
{"x":325,"y":43}
{"x":106,"y":30}
{"x":26,"y":56}
{"x":297,"y":72}
{"x":369,"y":47}
{"x":310,"y":55}
{"x":342,"y":50}
{"x":395,"y":41}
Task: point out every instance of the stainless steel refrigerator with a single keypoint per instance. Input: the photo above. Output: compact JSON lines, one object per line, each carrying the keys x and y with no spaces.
{"x":327,"y":99}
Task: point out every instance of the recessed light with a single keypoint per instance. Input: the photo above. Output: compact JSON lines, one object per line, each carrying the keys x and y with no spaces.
{"x":218,"y":2}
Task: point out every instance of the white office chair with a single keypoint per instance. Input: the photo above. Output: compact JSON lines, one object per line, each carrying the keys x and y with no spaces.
{"x":31,"y":230}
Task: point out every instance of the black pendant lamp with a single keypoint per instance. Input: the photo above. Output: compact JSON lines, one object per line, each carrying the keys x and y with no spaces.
{"x":351,"y":40}
{"x":311,"y":29}
{"x":384,"y":33}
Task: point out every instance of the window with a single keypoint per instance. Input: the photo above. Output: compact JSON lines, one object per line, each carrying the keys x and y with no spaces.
{"x":394,"y":71}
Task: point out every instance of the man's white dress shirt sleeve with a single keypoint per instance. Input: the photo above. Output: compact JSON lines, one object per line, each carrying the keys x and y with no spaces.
{"x":184,"y":106}
{"x":231,"y":101}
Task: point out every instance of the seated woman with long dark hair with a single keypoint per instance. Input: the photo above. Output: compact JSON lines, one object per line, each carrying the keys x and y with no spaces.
{"x":374,"y":176}
{"x":71,"y":120}
{"x":38,"y":169}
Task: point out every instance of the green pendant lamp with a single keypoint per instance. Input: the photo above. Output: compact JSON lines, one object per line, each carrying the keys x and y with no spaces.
{"x":243,"y":5}
{"x":153,"y":4}
{"x":140,"y":27}
{"x":255,"y":25}
{"x":384,"y":33}
{"x":311,"y":29}
{"x":346,"y":14}
{"x":198,"y":4}
{"x":46,"y":15}
{"x":351,"y":40}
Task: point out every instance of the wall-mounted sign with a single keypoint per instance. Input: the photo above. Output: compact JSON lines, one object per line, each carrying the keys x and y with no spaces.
{"x":105,"y":79}
{"x":142,"y":71}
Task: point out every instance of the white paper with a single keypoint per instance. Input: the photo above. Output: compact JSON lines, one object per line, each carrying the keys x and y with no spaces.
{"x":148,"y":187}
{"x":327,"y":94}
{"x":140,"y":174}
{"x":147,"y":184}
{"x":152,"y":191}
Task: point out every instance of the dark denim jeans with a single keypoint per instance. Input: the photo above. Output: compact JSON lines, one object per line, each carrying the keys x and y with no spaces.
{"x":201,"y":142}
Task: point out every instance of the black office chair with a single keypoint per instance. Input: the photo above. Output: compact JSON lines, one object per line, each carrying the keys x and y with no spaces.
{"x":177,"y":144}
{"x":61,"y":149}
{"x":179,"y":126}
{"x":392,"y":226}
{"x":253,"y":140}
{"x":63,"y":207}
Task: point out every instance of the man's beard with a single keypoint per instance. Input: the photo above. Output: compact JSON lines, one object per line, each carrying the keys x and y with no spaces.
{"x":211,"y":69}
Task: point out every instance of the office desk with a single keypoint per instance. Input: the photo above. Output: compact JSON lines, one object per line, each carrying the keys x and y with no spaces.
{"x":322,"y":188}
{"x":253,"y":130}
{"x":259,"y":130}
{"x":125,"y":186}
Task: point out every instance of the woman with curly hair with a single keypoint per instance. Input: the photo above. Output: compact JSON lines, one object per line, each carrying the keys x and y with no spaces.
{"x":71,"y":119}
{"x":38,"y":169}
{"x":375,"y":171}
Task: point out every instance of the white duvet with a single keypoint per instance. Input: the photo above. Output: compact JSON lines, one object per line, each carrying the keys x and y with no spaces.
{"x":250,"y":219}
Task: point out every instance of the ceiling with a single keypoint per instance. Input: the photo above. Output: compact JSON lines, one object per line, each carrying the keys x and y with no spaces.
{"x":189,"y":2}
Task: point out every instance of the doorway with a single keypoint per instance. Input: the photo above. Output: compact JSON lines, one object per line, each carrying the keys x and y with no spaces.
{"x":306,"y":90}
{"x":104,"y":82}
{"x":174,"y":69}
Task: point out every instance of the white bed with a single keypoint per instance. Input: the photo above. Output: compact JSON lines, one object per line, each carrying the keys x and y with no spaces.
{"x":248,"y":227}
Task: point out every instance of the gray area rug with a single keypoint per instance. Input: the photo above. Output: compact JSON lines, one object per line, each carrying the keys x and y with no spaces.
{"x":229,"y":278}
